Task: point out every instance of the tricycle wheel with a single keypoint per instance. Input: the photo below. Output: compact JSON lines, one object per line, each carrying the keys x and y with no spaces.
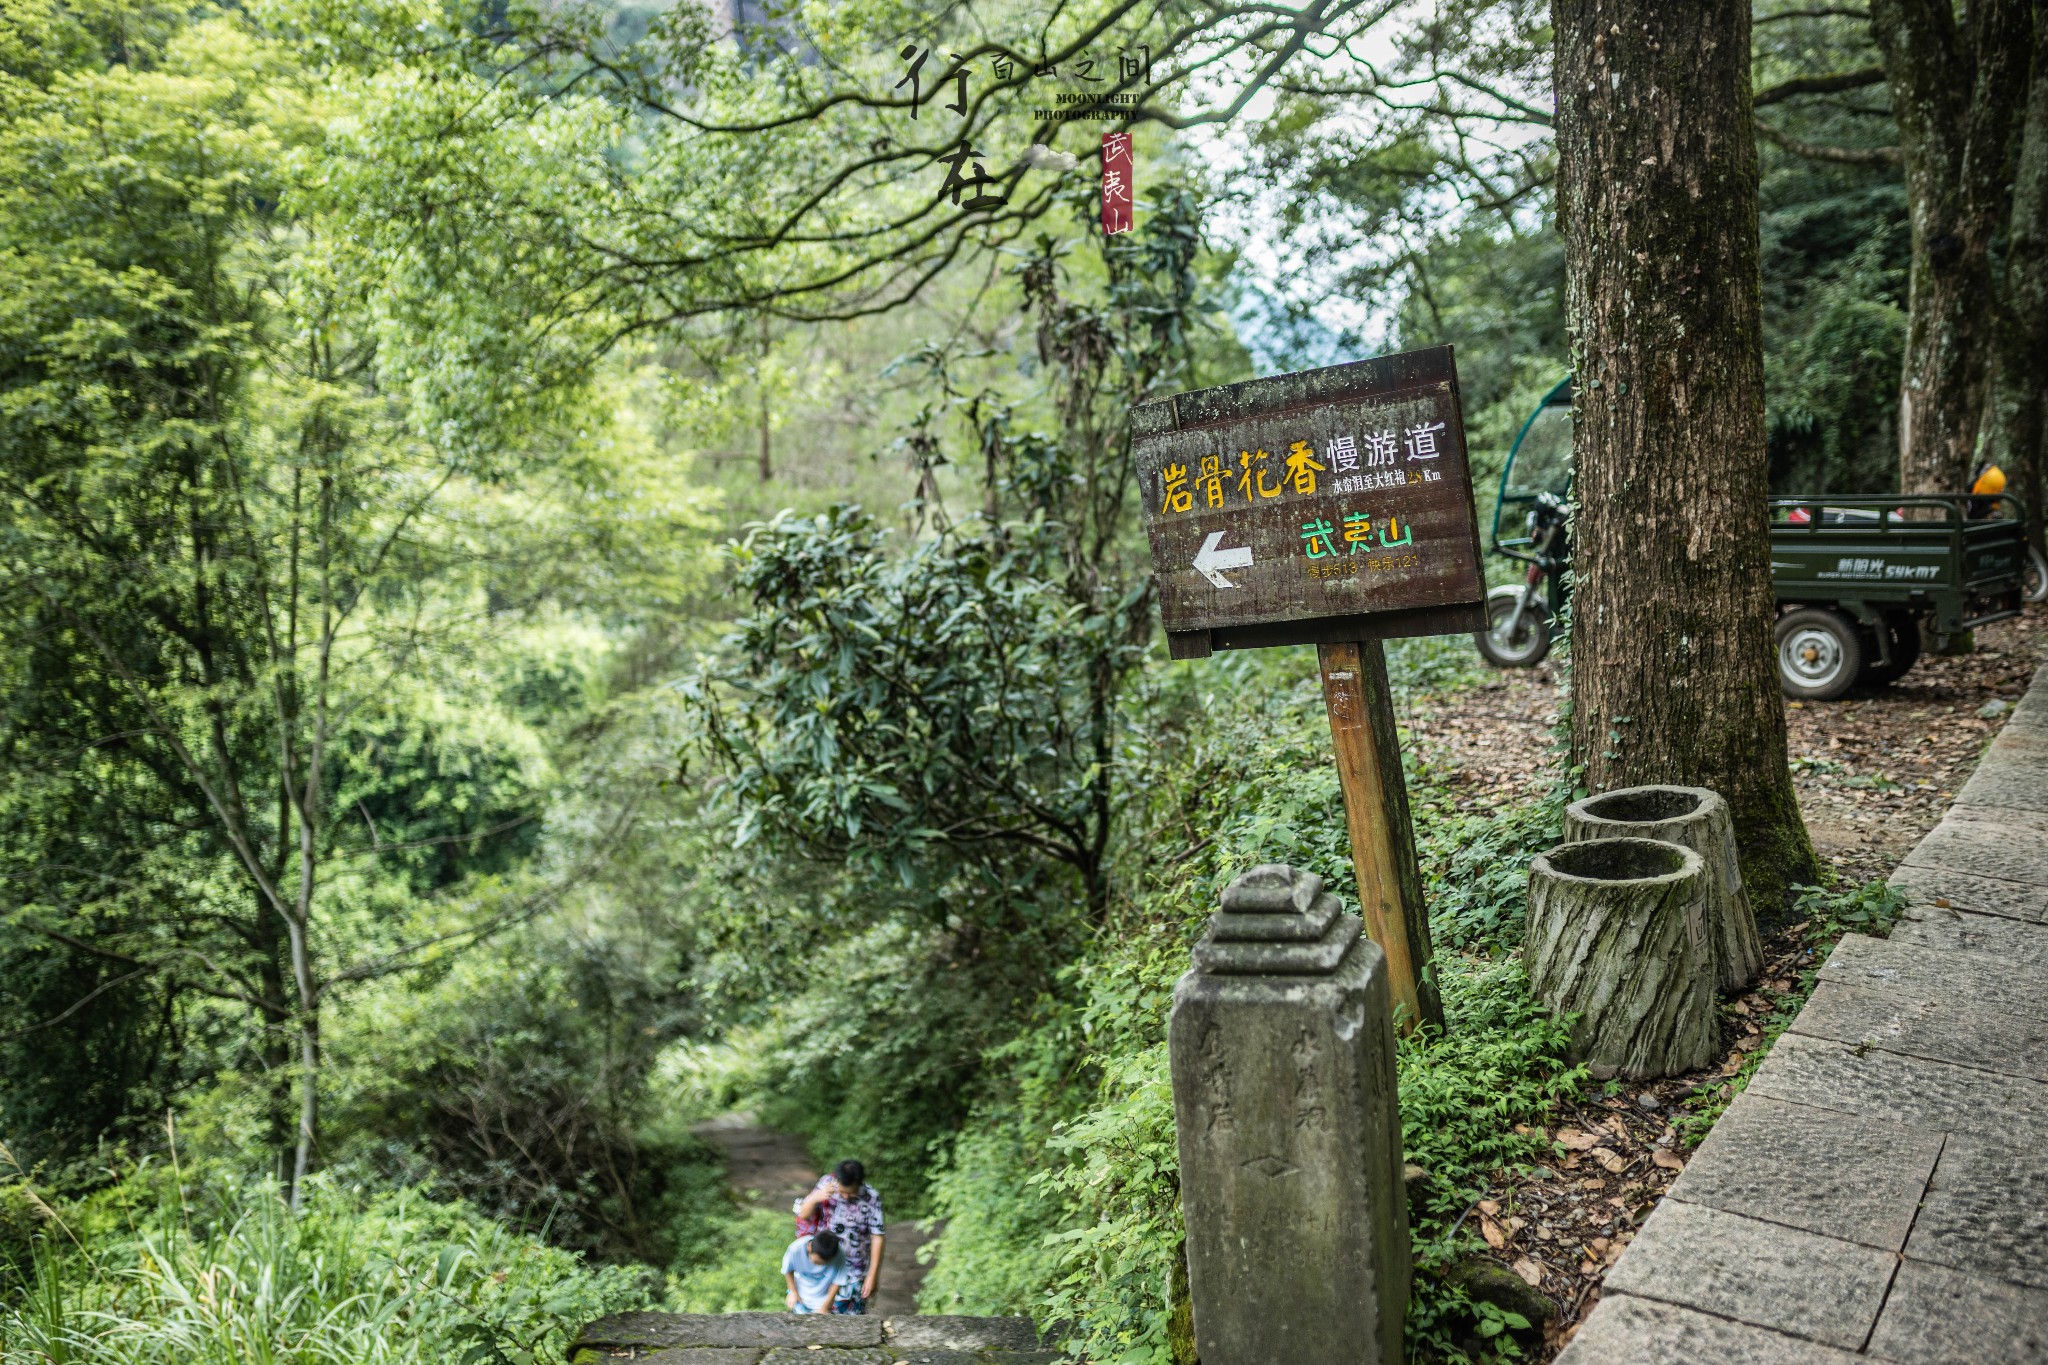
{"x":1904,"y":629}
{"x":1522,"y":647}
{"x":1819,"y":655}
{"x":2034,"y":577}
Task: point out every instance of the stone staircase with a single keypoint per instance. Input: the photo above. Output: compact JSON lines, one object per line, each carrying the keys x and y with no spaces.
{"x":810,"y":1339}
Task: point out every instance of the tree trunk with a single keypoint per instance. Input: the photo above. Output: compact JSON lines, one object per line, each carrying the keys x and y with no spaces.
{"x":1955,"y":90}
{"x":1617,"y":936}
{"x":761,"y":376}
{"x":1673,"y":678}
{"x":2022,"y":416}
{"x":1694,"y":818}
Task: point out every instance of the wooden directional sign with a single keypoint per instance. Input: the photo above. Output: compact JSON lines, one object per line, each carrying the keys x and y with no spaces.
{"x":1332,"y":508}
{"x":1308,"y":508}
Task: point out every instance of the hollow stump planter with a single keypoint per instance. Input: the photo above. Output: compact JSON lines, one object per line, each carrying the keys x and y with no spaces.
{"x":1699,"y":820}
{"x":1616,"y":936}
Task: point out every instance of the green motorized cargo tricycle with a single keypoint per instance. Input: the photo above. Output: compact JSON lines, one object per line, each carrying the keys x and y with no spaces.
{"x":1858,"y":578}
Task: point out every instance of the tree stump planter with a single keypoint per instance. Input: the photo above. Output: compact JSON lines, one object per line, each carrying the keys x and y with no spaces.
{"x":1699,"y":820}
{"x":1616,"y":937}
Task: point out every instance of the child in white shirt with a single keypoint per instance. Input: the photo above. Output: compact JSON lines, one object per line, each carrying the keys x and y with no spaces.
{"x":815,"y":1270}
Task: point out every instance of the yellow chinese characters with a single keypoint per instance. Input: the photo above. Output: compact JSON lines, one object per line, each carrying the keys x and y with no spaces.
{"x":1302,"y":467}
{"x":1177,"y":497}
{"x":1252,"y":462}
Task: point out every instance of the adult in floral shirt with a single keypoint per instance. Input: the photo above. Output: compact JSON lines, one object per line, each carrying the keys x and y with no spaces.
{"x":851,"y":1208}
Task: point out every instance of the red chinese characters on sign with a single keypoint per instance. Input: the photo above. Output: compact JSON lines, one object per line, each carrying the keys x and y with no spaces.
{"x":1116,"y":183}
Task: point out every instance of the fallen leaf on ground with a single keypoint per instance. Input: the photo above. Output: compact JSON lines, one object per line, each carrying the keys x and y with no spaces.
{"x":1749,"y":1043}
{"x":1531,"y":1273}
{"x":1614,"y":1163}
{"x":1489,"y":1207}
{"x":1574,"y":1140}
{"x":1490,"y":1230}
{"x":1670,"y":1161}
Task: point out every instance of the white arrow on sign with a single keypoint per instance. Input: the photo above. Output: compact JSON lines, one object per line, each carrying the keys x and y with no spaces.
{"x":1210,"y":558}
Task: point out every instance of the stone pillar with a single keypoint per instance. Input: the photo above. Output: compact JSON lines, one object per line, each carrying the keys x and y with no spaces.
{"x":1282,"y":1046}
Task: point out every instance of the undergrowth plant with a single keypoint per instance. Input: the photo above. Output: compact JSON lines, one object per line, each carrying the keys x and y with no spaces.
{"x":1067,"y":1175}
{"x":158,"y":1270}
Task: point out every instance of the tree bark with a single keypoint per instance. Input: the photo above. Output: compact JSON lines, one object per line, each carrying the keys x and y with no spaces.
{"x":2022,"y":415}
{"x":1617,"y":937}
{"x":1672,"y":671}
{"x":1693,"y":818}
{"x":1955,"y":91}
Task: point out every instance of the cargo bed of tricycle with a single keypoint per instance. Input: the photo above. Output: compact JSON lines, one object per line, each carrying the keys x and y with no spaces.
{"x":1860,"y":580}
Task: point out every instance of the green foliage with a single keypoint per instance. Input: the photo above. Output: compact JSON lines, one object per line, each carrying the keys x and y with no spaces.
{"x":1497,"y":1065}
{"x":1835,"y":246}
{"x":519,"y":1084}
{"x":887,"y":707}
{"x":290,"y":651}
{"x":1066,"y":1173}
{"x":21,"y":1229}
{"x":215,"y":1271}
{"x":1476,"y":868}
{"x":736,"y":1270}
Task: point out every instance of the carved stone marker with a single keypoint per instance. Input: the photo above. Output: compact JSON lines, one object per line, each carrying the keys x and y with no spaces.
{"x":1290,"y":1136}
{"x":1698,"y":819}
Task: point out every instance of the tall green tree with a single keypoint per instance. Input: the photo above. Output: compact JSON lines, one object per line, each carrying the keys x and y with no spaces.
{"x":1671,"y":584}
{"x":1958,"y":77}
{"x":250,"y":575}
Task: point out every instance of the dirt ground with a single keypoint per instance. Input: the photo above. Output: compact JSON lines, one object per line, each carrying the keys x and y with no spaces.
{"x":1874,"y":770}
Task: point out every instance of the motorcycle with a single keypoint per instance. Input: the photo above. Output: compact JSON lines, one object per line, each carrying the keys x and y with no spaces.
{"x":1519,"y":616}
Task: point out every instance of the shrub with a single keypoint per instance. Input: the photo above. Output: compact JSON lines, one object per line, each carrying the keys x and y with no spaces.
{"x":219,"y":1272}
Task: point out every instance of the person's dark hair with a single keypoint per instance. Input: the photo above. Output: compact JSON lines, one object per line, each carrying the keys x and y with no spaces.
{"x":826,"y":1244}
{"x":851,"y":1174}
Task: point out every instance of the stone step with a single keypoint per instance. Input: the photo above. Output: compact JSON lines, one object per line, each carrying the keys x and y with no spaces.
{"x":810,"y":1339}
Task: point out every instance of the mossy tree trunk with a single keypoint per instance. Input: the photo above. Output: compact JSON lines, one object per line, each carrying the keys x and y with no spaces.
{"x":1694,"y":818}
{"x":2022,"y":426}
{"x":1956,"y":83}
{"x":1673,"y":674}
{"x":1617,"y":937}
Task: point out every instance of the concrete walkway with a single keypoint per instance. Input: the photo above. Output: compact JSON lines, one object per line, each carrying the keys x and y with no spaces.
{"x":1880,"y":1192}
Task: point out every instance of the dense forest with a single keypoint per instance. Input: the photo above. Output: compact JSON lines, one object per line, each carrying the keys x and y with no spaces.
{"x":556,"y":582}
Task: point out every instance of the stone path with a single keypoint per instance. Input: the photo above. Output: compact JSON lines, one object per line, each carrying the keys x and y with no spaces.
{"x":1880,"y":1192}
{"x":774,"y":1169}
{"x":790,"y":1339}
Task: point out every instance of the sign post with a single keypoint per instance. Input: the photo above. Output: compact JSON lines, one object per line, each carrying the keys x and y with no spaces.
{"x":1334,"y":508}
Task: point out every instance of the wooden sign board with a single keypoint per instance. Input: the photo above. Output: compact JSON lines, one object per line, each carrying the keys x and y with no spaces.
{"x":1333,"y":508}
{"x":1330,"y":505}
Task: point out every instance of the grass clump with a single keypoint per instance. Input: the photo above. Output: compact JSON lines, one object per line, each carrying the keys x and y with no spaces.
{"x":160,"y":1271}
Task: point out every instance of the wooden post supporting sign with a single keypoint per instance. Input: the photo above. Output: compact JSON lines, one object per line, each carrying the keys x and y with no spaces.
{"x":1333,"y":508}
{"x":1361,"y":707}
